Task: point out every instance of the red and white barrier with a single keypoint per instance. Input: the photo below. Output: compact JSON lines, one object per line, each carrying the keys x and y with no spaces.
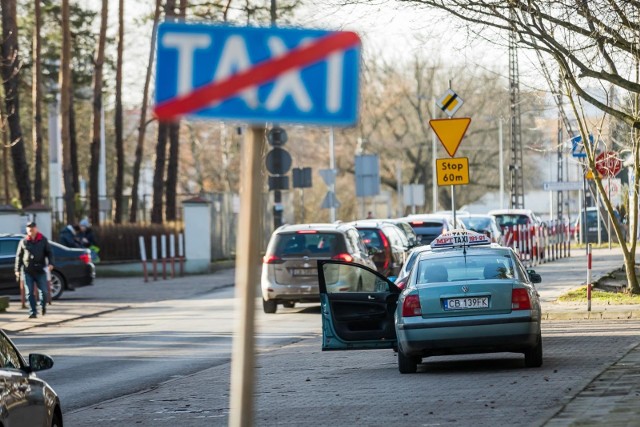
{"x":539,"y":244}
{"x":589,"y":277}
{"x":143,"y":257}
{"x":154,"y":256}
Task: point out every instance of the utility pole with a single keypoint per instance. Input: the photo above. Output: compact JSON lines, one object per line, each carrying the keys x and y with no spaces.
{"x":559,"y":194}
{"x":517,"y":182}
{"x":332,"y":166}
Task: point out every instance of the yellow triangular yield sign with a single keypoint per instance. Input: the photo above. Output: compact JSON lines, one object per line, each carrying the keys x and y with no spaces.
{"x":450,"y":132}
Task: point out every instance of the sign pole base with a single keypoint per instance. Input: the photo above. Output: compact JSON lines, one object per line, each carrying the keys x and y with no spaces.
{"x":249,"y":242}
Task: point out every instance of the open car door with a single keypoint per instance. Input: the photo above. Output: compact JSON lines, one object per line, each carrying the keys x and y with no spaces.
{"x":358,"y":307}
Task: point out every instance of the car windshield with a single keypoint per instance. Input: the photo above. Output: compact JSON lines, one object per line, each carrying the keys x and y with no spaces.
{"x":471,"y":267}
{"x":307,"y":243}
{"x":509,"y":220}
{"x":477,"y":223}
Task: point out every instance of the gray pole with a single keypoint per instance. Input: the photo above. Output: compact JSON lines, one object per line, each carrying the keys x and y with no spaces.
{"x":609,"y":216}
{"x":332,"y":166}
{"x":501,"y":160}
{"x":434,"y":148}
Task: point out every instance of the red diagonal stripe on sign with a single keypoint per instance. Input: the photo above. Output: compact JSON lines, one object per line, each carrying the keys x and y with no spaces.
{"x":261,"y":73}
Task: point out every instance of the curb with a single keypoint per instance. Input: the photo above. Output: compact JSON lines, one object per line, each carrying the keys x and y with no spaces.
{"x":70,"y":319}
{"x":592,"y":315}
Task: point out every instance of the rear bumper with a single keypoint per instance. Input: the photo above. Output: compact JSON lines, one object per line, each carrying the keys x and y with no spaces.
{"x":515,"y":332}
{"x":305,"y":292}
{"x":83,"y":277}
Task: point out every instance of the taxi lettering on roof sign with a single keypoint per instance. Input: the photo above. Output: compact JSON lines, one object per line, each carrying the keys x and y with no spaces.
{"x":460,"y":238}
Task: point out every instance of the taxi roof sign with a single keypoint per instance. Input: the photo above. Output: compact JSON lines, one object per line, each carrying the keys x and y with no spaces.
{"x":460,"y":238}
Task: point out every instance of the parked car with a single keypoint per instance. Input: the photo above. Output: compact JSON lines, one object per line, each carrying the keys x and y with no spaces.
{"x":289,"y":270}
{"x":509,"y":217}
{"x":484,"y":224}
{"x":592,"y":226}
{"x":25,"y":399}
{"x":72,"y":267}
{"x":464,"y":296}
{"x":408,"y":231}
{"x":410,"y":262}
{"x":388,"y":243}
{"x":430,"y":226}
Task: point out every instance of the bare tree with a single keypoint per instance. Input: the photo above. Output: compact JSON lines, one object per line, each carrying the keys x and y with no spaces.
{"x":94,"y":201}
{"x":11,"y":81}
{"x":118,"y":119}
{"x":142,"y":127}
{"x":36,"y":97}
{"x":65,"y":103}
{"x":164,"y":129}
{"x":594,"y":45}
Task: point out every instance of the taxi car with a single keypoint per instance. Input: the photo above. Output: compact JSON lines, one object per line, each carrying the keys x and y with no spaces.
{"x":464,"y":296}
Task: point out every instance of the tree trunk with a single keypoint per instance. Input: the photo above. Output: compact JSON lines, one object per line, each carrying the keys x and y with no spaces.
{"x":171,"y":213}
{"x":65,"y":104}
{"x":161,"y":148}
{"x":172,"y":172}
{"x":94,"y":177}
{"x":73,"y":139}
{"x":142,"y":127}
{"x":36,"y":94}
{"x":118,"y":120}
{"x":158,"y":174}
{"x":11,"y":80}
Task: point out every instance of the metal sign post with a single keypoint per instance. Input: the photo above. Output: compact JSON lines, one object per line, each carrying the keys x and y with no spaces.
{"x":249,"y":242}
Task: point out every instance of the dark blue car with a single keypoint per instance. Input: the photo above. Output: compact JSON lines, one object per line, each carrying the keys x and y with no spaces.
{"x":72,"y":268}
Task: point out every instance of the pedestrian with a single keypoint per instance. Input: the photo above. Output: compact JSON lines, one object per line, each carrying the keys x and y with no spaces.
{"x":33,"y":256}
{"x":87,"y":239}
{"x":68,"y":237}
{"x":369,"y":215}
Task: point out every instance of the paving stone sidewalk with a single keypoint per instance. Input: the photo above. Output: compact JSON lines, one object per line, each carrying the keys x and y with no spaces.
{"x":610,"y":399}
{"x":112,"y":294}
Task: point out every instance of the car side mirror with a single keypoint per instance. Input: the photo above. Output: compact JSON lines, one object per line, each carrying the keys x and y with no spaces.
{"x":534,"y":277}
{"x":39,"y":362}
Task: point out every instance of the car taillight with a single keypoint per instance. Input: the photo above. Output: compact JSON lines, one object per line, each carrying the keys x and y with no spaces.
{"x":343,"y":257}
{"x":387,"y":250}
{"x":272,"y":259}
{"x":520,"y":299}
{"x":417,"y":223}
{"x":402,"y":283}
{"x":411,"y":306}
{"x":86,"y":258}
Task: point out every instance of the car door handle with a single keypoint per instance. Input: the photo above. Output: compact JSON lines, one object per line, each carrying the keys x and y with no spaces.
{"x":371,"y":298}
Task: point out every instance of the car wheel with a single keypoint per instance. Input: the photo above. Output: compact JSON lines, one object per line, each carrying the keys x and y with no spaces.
{"x":57,"y":285}
{"x":533,"y":356}
{"x":56,"y":421}
{"x":407,"y":364}
{"x":269,"y":306}
{"x":289,"y":304}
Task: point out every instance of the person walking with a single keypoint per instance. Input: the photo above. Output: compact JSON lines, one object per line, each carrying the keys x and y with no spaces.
{"x":32,"y":257}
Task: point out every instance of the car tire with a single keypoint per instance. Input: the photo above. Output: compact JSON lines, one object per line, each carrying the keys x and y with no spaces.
{"x":407,"y":364}
{"x":533,"y":356}
{"x":56,"y":420}
{"x":57,"y":285}
{"x":289,"y":304}
{"x":269,"y":306}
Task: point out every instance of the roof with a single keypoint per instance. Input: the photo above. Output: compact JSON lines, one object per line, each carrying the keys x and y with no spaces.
{"x":320,"y":227}
{"x":423,"y":217}
{"x":470,"y":250}
{"x":527,"y":212}
{"x":372,"y":223}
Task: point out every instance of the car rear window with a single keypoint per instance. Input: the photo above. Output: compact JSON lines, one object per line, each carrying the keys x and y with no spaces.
{"x":371,"y":237}
{"x":476,"y":224}
{"x":509,"y":220}
{"x":471,"y":267}
{"x":308,"y":244}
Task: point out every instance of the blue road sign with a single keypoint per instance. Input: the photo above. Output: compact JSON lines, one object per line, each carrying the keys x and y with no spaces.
{"x":577,"y":148}
{"x":253,"y":74}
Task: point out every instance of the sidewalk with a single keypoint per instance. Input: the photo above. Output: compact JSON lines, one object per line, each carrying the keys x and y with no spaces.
{"x":610,"y":399}
{"x":112,"y":294}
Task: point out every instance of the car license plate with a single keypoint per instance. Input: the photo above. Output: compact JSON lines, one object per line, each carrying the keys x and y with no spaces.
{"x":304,"y":272}
{"x":466,"y":303}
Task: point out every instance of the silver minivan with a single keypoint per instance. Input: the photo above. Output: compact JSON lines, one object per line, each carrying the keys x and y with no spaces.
{"x":289,"y":268}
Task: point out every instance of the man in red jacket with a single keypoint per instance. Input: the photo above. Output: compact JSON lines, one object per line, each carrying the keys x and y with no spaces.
{"x":33,"y":256}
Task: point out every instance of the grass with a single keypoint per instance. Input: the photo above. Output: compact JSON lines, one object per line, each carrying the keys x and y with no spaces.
{"x":599,"y":296}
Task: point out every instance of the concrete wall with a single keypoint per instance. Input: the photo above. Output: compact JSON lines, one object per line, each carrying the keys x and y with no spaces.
{"x":12,"y":222}
{"x":197,"y":235}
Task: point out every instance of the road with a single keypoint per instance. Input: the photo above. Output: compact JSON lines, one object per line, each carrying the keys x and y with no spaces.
{"x":108,"y":356}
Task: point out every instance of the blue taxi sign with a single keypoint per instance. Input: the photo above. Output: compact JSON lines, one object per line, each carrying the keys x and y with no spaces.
{"x":460,"y":238}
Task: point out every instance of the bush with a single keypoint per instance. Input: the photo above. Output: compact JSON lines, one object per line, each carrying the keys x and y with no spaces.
{"x":120,"y":242}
